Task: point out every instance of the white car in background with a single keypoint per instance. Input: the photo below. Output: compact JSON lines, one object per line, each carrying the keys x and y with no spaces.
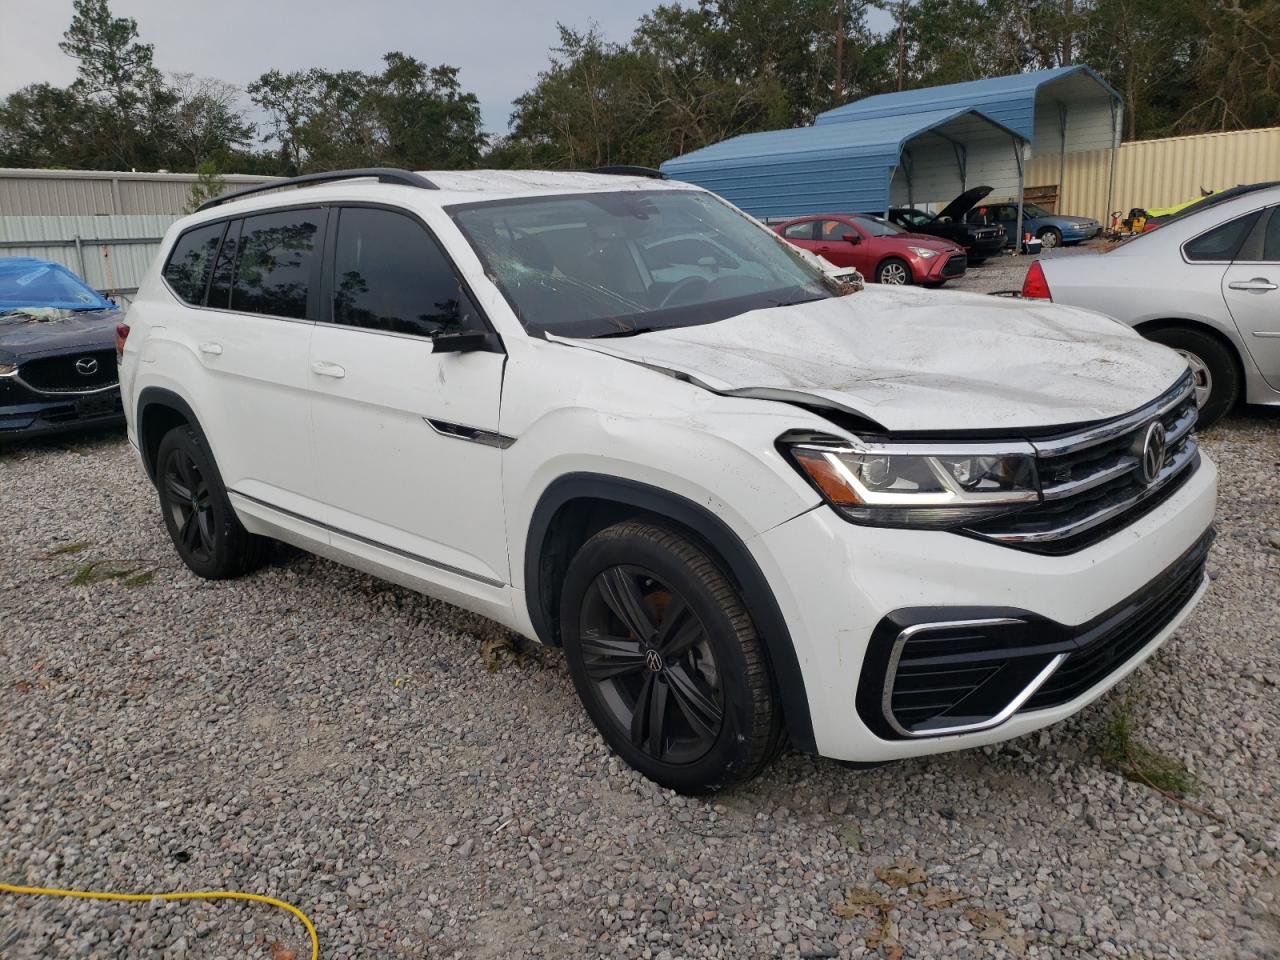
{"x":619,"y":416}
{"x":1206,"y":283}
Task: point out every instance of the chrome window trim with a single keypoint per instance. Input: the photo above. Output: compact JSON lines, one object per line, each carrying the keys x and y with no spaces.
{"x":1012,"y":707}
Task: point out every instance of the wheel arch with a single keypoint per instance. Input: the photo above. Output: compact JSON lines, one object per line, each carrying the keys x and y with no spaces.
{"x":576,"y":506}
{"x":1198,"y":326}
{"x":159,"y":411}
{"x":893,"y":256}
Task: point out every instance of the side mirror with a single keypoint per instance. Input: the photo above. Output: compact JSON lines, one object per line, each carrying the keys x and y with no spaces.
{"x":853,"y":238}
{"x":464,"y":341}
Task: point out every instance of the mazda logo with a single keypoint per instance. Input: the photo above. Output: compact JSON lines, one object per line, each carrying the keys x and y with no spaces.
{"x":86,"y":366}
{"x":1154,"y":445}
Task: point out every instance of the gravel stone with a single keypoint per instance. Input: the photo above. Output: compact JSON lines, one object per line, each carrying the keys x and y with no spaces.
{"x":315,"y":735}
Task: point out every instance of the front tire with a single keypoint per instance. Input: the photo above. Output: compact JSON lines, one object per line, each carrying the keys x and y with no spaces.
{"x":894,"y":272}
{"x":1049,"y":238}
{"x":201,"y":522}
{"x":1213,"y":366}
{"x":667,"y":661}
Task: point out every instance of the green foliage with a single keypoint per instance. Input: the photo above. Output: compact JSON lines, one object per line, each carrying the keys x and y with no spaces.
{"x":209,"y":184}
{"x":409,"y":115}
{"x":1140,"y":763}
{"x":693,"y":72}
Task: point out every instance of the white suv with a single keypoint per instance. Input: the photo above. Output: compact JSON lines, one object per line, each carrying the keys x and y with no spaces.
{"x":616,"y":415}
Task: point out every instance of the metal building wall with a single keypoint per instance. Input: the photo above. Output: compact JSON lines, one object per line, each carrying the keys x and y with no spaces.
{"x":1159,"y":173}
{"x":35,"y":193}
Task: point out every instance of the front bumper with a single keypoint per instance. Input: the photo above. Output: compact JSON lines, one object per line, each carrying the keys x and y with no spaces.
{"x":29,"y":418}
{"x":836,"y":583}
{"x":1073,"y":234}
{"x":943,"y":267}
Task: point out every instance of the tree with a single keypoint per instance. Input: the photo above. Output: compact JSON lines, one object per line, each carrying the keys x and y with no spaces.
{"x":205,"y":123}
{"x":407,"y":115}
{"x":209,"y":184}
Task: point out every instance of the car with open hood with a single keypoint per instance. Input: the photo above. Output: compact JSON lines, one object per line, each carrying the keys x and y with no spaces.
{"x":752,"y":503}
{"x":57,"y":351}
{"x":879,"y":250}
{"x":1051,"y":229}
{"x":979,"y":241}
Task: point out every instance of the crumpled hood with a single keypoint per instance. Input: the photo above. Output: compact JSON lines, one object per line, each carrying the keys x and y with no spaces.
{"x":915,"y":360}
{"x":88,"y":330}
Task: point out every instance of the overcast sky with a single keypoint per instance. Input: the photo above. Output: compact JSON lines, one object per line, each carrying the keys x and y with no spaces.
{"x":498,"y":45}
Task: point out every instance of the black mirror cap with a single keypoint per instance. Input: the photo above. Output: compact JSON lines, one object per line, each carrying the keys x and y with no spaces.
{"x":466,"y":341}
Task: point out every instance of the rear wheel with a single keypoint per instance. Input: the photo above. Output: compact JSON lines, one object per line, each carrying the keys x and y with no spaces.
{"x":204,"y":528}
{"x":667,"y":661}
{"x":894,"y":272}
{"x":1213,"y":366}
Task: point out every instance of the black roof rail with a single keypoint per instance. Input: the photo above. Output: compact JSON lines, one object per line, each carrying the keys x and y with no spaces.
{"x":405,"y":178}
{"x":624,"y":170}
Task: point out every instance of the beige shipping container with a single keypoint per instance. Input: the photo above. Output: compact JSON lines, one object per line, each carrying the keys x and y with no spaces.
{"x":1157,"y":173}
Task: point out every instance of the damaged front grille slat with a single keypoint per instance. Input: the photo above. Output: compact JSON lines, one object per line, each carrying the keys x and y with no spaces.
{"x":1091,"y":481}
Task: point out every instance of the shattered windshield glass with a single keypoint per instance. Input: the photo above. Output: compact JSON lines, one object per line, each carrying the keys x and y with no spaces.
{"x":29,"y":285}
{"x":627,"y":262}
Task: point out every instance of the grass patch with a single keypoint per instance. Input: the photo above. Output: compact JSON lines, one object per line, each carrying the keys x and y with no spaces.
{"x":77,"y":547}
{"x":1121,"y":751}
{"x":126,"y":572}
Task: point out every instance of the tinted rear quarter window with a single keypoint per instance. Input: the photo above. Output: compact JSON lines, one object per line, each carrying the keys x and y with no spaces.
{"x":225,"y":268}
{"x":1222,"y":242}
{"x":276,"y":261}
{"x":1271,"y":240}
{"x":390,"y":274}
{"x":191,"y":261}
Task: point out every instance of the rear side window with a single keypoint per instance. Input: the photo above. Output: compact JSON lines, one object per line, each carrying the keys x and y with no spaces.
{"x":800,"y":231}
{"x":390,"y":274}
{"x":1271,"y":239}
{"x":191,"y":262}
{"x":1222,"y":242}
{"x":276,"y":262}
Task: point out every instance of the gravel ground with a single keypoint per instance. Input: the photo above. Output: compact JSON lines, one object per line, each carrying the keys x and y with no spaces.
{"x":316,"y":735}
{"x":1007,"y":272}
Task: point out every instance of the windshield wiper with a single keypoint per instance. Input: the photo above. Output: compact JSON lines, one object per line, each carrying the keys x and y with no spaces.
{"x":625,"y":333}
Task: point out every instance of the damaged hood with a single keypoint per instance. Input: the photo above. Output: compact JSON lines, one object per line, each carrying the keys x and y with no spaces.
{"x":45,"y":331}
{"x":914,"y":360}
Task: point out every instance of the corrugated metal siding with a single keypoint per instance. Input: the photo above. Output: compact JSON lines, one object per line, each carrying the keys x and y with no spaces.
{"x":74,"y":192}
{"x":841,"y":167}
{"x":114,"y":252}
{"x":1158,"y":173}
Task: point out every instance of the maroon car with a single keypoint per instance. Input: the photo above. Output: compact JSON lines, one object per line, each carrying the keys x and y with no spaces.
{"x":877,"y":249}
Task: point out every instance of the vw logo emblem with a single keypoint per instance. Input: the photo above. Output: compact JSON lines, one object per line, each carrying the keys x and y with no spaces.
{"x":86,"y":366}
{"x":653,"y":660}
{"x":1154,"y":445}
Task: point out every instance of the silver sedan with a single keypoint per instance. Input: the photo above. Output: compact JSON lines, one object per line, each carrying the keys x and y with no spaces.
{"x":1206,"y":283}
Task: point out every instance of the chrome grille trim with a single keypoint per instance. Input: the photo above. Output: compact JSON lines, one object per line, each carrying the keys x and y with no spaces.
{"x":1170,"y":399}
{"x":1090,"y":479}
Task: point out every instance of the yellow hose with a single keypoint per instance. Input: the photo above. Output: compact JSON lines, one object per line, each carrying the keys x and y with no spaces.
{"x":197,"y":895}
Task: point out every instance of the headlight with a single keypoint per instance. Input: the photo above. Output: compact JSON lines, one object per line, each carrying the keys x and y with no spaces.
{"x":923,"y":252}
{"x":933,"y":486}
{"x":8,"y":369}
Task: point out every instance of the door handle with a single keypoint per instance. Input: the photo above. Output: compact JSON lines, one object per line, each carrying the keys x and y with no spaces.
{"x":1257,"y":285}
{"x":326,"y":369}
{"x":213,"y":349}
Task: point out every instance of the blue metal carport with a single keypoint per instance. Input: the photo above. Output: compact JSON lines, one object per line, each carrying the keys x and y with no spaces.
{"x":859,"y":165}
{"x":1062,"y":110}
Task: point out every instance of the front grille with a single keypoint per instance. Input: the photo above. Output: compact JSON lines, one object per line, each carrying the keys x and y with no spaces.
{"x":60,"y":374}
{"x":1111,"y":640}
{"x":955,"y":265}
{"x":1091,"y":482}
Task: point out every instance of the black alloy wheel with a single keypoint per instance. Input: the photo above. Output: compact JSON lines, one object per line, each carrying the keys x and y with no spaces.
{"x":202,"y":524}
{"x":190,"y":505}
{"x":650,"y":661}
{"x":666,"y":659}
